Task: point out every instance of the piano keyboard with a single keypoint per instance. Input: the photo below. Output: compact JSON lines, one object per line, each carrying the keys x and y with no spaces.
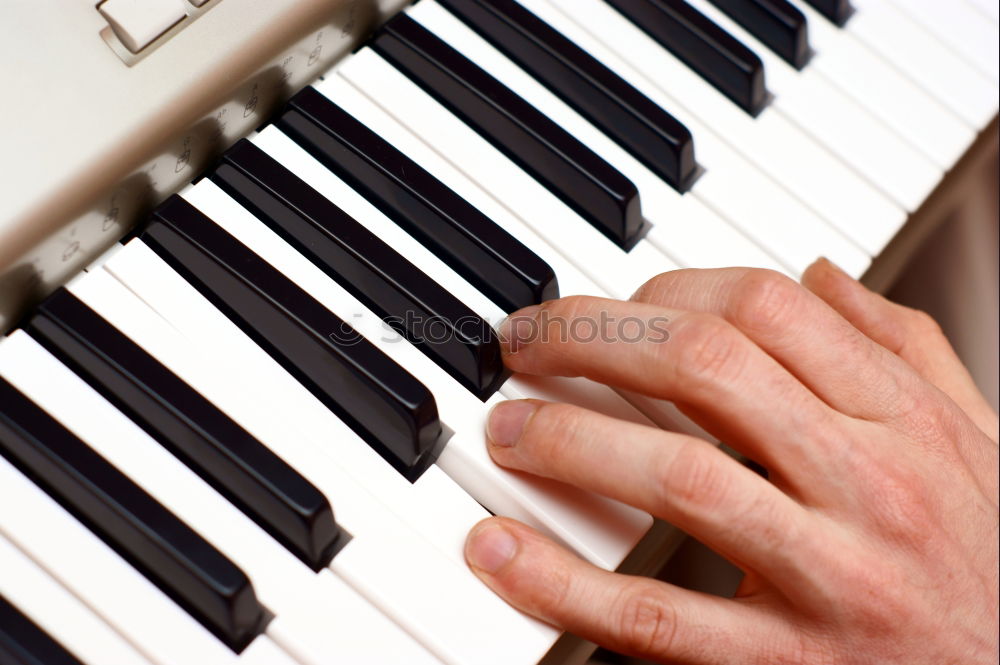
{"x":252,"y":432}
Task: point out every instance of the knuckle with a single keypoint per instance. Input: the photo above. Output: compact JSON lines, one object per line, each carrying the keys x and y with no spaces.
{"x":693,"y":482}
{"x":774,"y":530}
{"x":654,"y":288}
{"x":569,"y":320}
{"x":764,"y":300}
{"x":907,"y":331}
{"x":924,"y":415}
{"x":902,"y":508}
{"x":923,"y":324}
{"x":710,"y":350}
{"x":571,"y":307}
{"x":543,"y":591}
{"x":647,"y":623}
{"x":551,"y":430}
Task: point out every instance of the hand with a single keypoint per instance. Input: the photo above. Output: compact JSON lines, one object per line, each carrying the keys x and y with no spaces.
{"x":874,"y":539}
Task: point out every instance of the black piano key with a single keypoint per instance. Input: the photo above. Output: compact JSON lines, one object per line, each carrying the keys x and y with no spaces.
{"x":22,"y":642}
{"x":409,"y":301}
{"x":383,"y":403}
{"x":225,"y":455}
{"x":163,"y":548}
{"x":837,"y":11}
{"x":568,"y":168}
{"x":714,"y":54}
{"x":776,"y":23}
{"x":491,"y":259}
{"x":631,"y":119}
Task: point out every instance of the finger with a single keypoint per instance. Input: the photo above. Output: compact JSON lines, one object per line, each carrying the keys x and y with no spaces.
{"x":703,"y":364}
{"x":908,"y":333}
{"x":631,"y":615}
{"x":847,"y":369}
{"x":917,"y":339}
{"x":681,"y":479}
{"x":825,"y":352}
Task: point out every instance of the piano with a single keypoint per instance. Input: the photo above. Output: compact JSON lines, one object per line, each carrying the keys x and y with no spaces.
{"x":252,"y":254}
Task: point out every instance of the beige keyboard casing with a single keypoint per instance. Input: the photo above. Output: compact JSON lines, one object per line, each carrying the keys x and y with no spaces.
{"x":91,"y":138}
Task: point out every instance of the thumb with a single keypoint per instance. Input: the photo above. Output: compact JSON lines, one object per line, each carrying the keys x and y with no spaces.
{"x":632,"y":615}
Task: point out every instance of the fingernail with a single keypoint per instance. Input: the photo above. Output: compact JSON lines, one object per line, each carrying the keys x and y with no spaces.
{"x":490,"y":548}
{"x":829,"y":266}
{"x":506,"y":421}
{"x":519,"y":329}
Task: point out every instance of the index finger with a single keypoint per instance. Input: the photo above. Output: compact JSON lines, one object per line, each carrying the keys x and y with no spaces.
{"x":713,"y":372}
{"x":817,"y":345}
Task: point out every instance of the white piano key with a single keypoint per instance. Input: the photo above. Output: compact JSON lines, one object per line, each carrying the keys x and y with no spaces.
{"x":561,"y":389}
{"x":686,"y":231}
{"x":576,"y":391}
{"x":57,"y":612}
{"x":773,"y":208}
{"x":458,"y":408}
{"x":603,"y":536}
{"x":453,"y":406}
{"x":462,"y":628}
{"x":783,"y":224}
{"x":901,"y":105}
{"x":908,"y":46}
{"x":230,"y":215}
{"x":759,"y":203}
{"x":293,"y":157}
{"x":879,"y":123}
{"x":961,"y":28}
{"x":572,"y":281}
{"x":786,"y":153}
{"x":987,"y":8}
{"x":617,"y":271}
{"x":156,"y":626}
{"x":667,"y":415}
{"x":304,"y":603}
{"x":698,"y":237}
{"x":433,"y":505}
{"x":580,"y":392}
{"x":435,"y":599}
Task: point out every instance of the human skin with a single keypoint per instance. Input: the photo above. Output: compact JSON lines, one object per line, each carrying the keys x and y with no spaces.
{"x":874,"y":538}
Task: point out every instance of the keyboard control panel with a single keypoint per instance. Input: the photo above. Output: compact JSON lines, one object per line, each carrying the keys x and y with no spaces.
{"x":136,"y":28}
{"x":99,"y":144}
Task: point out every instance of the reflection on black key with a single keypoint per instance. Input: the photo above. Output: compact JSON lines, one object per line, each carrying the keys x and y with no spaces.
{"x":416,"y":306}
{"x":651,"y":134}
{"x":383,"y":403}
{"x":168,"y":552}
{"x":709,"y":50}
{"x":570,"y":170}
{"x":492,"y":260}
{"x":776,"y":23}
{"x":24,"y":643}
{"x":838,"y":11}
{"x":224,"y":454}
